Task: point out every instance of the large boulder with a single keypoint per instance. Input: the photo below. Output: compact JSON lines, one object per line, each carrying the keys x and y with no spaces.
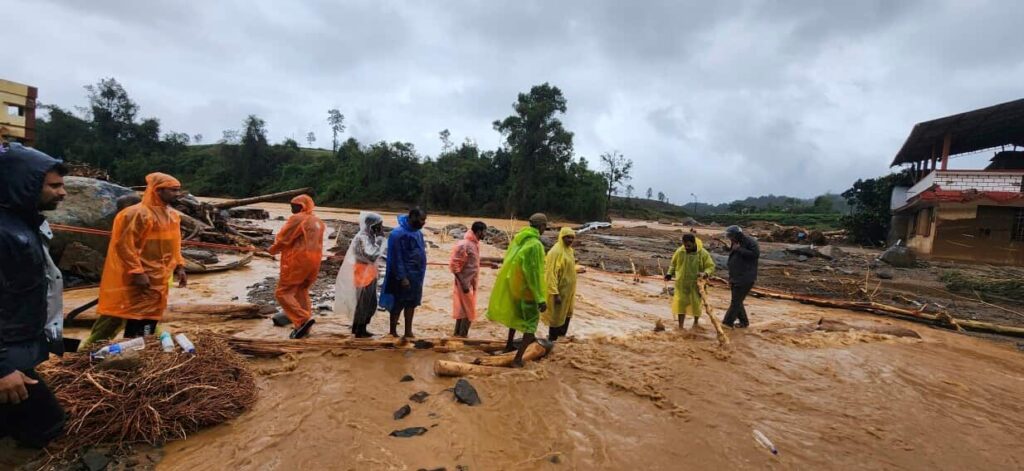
{"x":899,"y":256}
{"x":91,"y":204}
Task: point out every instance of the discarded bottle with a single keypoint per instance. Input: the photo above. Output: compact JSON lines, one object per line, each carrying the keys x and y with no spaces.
{"x":765,"y":442}
{"x":185,"y":344}
{"x":120,"y":348}
{"x":166,"y":342}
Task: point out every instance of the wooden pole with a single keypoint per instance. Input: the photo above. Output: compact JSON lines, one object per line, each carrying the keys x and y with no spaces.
{"x":702,"y":286}
{"x":457,"y":368}
{"x":947,"y":142}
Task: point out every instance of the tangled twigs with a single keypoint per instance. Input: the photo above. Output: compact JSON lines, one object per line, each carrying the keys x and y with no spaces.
{"x":151,"y":398}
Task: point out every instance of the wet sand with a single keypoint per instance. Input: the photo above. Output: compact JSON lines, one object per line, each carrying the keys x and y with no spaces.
{"x":618,"y":396}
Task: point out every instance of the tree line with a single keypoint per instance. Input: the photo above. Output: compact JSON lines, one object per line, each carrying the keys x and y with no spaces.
{"x":536,"y":168}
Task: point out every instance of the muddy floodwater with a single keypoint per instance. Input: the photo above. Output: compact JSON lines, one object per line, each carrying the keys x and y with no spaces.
{"x":617,"y":395}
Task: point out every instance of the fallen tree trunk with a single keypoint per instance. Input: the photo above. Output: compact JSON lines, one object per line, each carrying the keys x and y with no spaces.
{"x":723,"y":339}
{"x":259,"y":199}
{"x":456,"y":368}
{"x":535,"y":351}
{"x":274,"y":347}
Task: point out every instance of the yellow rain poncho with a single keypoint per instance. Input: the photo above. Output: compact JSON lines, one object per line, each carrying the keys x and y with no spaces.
{"x":560,"y":275}
{"x":520,"y":284}
{"x":146,"y":238}
{"x":686,"y":268}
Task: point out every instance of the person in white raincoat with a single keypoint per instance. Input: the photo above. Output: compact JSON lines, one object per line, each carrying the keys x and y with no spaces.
{"x":355,"y":292}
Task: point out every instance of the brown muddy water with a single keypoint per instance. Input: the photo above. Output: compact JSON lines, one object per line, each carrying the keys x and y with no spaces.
{"x":617,"y":395}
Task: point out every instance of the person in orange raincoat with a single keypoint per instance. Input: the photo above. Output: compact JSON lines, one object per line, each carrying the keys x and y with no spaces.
{"x":144,"y":252}
{"x":301,"y":245}
{"x":465,"y":265}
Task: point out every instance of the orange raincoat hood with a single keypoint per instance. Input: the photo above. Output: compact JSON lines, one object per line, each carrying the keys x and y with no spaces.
{"x":306,"y":202}
{"x":156,"y":181}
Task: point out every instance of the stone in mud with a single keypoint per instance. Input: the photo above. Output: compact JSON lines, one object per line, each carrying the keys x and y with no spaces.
{"x":433,"y":469}
{"x":406,"y":379}
{"x":419,"y":397}
{"x":409,"y":432}
{"x":423,"y":344}
{"x":802,"y":258}
{"x":205,"y":257}
{"x":402,"y":412}
{"x":466,"y":393}
{"x":95,"y":460}
{"x":80,"y":259}
{"x":280,"y":319}
{"x":90,"y":203}
{"x":899,"y":256}
{"x":555,"y":459}
{"x":659,"y":326}
{"x":884,"y":274}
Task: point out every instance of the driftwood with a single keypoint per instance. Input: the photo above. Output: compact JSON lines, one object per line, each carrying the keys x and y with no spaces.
{"x":191,"y":312}
{"x":457,"y":368}
{"x":535,"y":351}
{"x":723,"y":339}
{"x":259,"y":199}
{"x":273,"y":347}
{"x":192,"y":266}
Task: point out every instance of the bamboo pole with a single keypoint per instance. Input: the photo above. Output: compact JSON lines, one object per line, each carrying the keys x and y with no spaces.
{"x":723,"y":339}
{"x":259,"y":199}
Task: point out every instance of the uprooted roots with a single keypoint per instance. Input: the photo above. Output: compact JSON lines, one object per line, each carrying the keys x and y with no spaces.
{"x":152,"y":398}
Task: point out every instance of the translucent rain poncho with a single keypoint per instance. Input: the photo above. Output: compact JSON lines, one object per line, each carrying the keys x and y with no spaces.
{"x":146,"y":238}
{"x":359,"y":270}
{"x":465,"y":265}
{"x":520,"y":284}
{"x":686,"y":268}
{"x":560,"y":276}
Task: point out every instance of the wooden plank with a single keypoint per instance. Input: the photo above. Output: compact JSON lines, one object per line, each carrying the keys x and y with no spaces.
{"x":946,"y":143}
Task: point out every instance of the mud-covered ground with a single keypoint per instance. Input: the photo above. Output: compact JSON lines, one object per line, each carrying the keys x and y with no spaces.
{"x":616,"y":394}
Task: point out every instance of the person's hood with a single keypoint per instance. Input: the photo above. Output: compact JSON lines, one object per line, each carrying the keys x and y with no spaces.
{"x":566,"y":231}
{"x":526,"y":233}
{"x":22,"y":172}
{"x":471,"y":236}
{"x":403,"y":221}
{"x":156,"y":181}
{"x":306,"y":202}
{"x":368,"y":220}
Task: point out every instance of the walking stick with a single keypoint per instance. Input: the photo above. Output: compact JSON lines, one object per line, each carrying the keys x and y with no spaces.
{"x":702,"y":286}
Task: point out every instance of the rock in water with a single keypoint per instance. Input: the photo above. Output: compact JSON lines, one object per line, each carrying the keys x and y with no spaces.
{"x":423,"y":344}
{"x":406,"y":379}
{"x":280,"y":319}
{"x":95,"y":460}
{"x":466,"y":393}
{"x":419,"y":397}
{"x":884,"y":274}
{"x":659,"y":326}
{"x":409,"y":432}
{"x":91,"y":204}
{"x":899,"y":256}
{"x":402,"y":412}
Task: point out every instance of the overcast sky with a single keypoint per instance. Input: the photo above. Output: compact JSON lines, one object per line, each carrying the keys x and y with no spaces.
{"x":722,"y":99}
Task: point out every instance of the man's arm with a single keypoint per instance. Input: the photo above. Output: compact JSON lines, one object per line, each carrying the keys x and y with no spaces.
{"x":748,"y":249}
{"x":707,"y":263}
{"x":129,"y":233}
{"x":397,"y":256}
{"x":286,"y":237}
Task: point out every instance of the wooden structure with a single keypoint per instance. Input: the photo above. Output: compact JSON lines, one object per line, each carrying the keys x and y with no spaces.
{"x":18,"y":112}
{"x":967,"y":215}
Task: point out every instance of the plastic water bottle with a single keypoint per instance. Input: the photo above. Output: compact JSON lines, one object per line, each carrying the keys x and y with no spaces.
{"x":765,"y":442}
{"x":166,"y":342}
{"x":120,"y":348}
{"x":185,"y":343}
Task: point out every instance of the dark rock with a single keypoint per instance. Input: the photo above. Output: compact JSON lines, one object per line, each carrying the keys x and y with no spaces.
{"x":721,"y":261}
{"x":884,"y":274}
{"x":95,"y":460}
{"x":279,"y":218}
{"x":555,"y":459}
{"x":90,"y":203}
{"x":402,"y":412}
{"x":248,"y":213}
{"x":409,"y":432}
{"x":406,"y":379}
{"x":899,"y":256}
{"x":802,"y":258}
{"x":281,"y":320}
{"x":466,"y":393}
{"x":836,"y":252}
{"x":434,"y":469}
{"x":419,"y":397}
{"x":423,"y":344}
{"x":81,"y":260}
{"x":205,"y":257}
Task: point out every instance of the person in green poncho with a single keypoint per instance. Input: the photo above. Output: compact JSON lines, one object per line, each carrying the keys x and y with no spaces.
{"x":519,"y":293}
{"x":560,"y":275}
{"x":689,"y":263}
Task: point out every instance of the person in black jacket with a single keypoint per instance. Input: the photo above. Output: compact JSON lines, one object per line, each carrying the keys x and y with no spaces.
{"x":31,"y":320}
{"x":743,"y":255}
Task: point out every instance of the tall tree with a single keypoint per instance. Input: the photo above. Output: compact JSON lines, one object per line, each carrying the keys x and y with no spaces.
{"x":650,"y":193}
{"x":539,"y":148}
{"x":311,"y":138}
{"x":337,"y":122}
{"x":616,"y":172}
{"x":446,"y":140}
{"x":870,"y":219}
{"x":197,"y":138}
{"x":629,"y":191}
{"x":661,"y":196}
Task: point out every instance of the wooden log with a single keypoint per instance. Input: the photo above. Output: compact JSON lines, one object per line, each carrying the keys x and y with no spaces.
{"x":275,"y":347}
{"x":535,"y":351}
{"x":259,"y":199}
{"x":723,"y":339}
{"x":456,"y":368}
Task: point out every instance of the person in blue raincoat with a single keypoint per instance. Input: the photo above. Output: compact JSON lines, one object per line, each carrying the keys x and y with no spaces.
{"x":406,"y":269}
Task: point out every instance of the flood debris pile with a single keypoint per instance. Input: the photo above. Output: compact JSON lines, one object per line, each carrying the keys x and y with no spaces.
{"x":150,"y":398}
{"x":227,"y":222}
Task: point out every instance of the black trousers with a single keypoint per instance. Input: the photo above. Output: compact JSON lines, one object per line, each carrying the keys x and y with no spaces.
{"x":555,"y":332}
{"x":36,"y":420}
{"x":736,"y":310}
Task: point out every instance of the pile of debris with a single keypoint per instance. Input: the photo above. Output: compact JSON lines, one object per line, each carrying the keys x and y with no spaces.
{"x":222,"y":223}
{"x":772,"y":232}
{"x":149,"y":397}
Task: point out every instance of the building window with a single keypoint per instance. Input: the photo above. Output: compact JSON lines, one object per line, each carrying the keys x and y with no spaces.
{"x":923,"y":223}
{"x":1018,"y":226}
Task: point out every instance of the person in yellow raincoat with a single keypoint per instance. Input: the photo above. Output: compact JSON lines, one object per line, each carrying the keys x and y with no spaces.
{"x":301,"y":245}
{"x":519,"y":292}
{"x":144,"y":252}
{"x":560,"y":275}
{"x":689,"y":263}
